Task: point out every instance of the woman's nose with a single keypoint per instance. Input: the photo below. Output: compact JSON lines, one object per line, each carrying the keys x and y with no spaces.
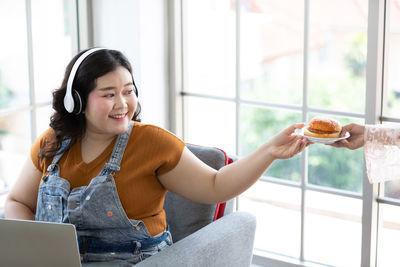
{"x":120,"y":101}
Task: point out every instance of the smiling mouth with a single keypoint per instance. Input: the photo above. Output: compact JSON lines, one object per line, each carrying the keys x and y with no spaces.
{"x":118,"y":116}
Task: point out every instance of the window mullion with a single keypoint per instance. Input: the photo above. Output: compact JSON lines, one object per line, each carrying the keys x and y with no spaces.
{"x":373,"y":104}
{"x":304,"y":155}
{"x":28,"y":9}
{"x":82,"y":12}
{"x":175,"y":67}
{"x":237,"y":84}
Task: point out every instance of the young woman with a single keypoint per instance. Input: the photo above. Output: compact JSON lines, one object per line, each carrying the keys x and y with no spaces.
{"x":101,"y":169}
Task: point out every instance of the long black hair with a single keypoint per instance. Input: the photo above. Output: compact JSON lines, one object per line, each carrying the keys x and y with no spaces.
{"x":72,"y":126}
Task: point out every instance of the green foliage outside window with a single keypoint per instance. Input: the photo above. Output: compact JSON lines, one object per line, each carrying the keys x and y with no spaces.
{"x":356,"y":57}
{"x":258,"y":125}
{"x":336,"y":168}
{"x":5,"y":97}
{"x":327,"y":166}
{"x":5,"y":94}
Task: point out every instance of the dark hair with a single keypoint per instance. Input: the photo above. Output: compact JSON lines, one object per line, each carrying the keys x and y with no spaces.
{"x":72,"y":126}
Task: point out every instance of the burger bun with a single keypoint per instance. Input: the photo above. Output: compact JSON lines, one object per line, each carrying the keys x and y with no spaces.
{"x":323,"y":128}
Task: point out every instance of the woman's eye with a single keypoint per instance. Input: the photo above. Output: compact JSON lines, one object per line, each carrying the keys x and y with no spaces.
{"x":128,"y":92}
{"x":109,"y":95}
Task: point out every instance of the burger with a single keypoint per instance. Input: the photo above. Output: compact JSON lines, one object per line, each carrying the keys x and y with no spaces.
{"x":323,"y":128}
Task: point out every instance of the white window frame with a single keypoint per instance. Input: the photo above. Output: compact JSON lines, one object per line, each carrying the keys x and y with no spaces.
{"x":377,"y":19}
{"x":33,"y":105}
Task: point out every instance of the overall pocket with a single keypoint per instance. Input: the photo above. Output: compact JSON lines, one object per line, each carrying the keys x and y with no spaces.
{"x":49,"y":208}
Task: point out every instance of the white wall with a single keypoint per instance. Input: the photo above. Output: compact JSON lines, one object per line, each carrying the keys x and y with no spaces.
{"x":138,"y":28}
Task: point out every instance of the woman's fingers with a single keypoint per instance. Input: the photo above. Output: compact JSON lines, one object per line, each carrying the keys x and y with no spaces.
{"x":289,"y":130}
{"x":341,"y":143}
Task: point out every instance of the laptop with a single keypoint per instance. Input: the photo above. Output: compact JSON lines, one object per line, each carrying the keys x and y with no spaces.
{"x":33,"y":243}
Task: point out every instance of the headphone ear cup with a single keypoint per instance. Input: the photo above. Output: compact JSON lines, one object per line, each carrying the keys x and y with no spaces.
{"x":77,"y":102}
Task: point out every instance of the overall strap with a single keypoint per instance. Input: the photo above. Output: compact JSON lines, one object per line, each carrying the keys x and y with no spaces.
{"x":58,"y":155}
{"x":113,"y":165}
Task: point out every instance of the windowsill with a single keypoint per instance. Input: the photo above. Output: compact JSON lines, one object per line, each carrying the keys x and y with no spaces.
{"x":263,"y":258}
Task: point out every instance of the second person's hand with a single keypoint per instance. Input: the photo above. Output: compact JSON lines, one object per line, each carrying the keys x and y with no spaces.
{"x":356,"y":139}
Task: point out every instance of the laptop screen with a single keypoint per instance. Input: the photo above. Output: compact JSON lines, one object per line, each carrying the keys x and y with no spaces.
{"x":33,"y":243}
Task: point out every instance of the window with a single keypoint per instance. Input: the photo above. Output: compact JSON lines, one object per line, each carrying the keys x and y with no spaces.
{"x":209,"y":70}
{"x":40,"y":38}
{"x":389,"y":192}
{"x":253,"y":67}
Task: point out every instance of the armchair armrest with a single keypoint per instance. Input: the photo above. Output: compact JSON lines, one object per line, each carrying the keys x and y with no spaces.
{"x":225,"y":242}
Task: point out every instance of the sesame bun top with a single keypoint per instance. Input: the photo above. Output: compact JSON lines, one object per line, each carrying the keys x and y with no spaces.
{"x":324,"y":124}
{"x":323,"y":128}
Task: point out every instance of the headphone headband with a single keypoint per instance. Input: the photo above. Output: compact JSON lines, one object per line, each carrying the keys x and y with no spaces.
{"x":68,"y":99}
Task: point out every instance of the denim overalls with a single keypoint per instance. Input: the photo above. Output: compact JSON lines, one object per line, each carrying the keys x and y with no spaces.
{"x":105,"y":233}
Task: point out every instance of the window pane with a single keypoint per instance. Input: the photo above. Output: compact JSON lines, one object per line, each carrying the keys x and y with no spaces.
{"x":14,"y":73}
{"x":336,"y":168}
{"x":392,"y":189}
{"x":209,"y":47}
{"x":52,"y":30}
{"x":337,"y":59}
{"x":210,"y":123}
{"x":271,"y":49}
{"x":277,"y":209}
{"x":15,"y":143}
{"x":332,"y":229}
{"x":389,"y":236}
{"x":43,"y":115}
{"x":392,"y":95}
{"x":257,"y":125}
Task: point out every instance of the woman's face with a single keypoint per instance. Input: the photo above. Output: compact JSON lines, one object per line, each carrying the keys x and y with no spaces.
{"x":112,"y":103}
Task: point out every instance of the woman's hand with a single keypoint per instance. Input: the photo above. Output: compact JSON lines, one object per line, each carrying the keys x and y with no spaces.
{"x":285,"y":144}
{"x":356,"y":139}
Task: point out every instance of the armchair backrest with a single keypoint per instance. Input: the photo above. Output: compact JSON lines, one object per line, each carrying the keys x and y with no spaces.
{"x":185,"y":216}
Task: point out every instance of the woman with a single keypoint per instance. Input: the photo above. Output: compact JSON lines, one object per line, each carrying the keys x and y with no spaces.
{"x":381,"y":148}
{"x":107,"y":173}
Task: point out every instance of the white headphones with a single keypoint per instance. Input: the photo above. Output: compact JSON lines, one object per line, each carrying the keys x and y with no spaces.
{"x":69,"y":102}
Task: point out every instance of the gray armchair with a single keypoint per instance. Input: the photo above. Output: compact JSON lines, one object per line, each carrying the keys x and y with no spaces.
{"x":200,"y":241}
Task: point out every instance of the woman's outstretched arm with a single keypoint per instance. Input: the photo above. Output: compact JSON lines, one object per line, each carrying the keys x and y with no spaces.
{"x":193,"y":179}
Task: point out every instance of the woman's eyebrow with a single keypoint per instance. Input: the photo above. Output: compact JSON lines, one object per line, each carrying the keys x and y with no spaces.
{"x":106,"y":88}
{"x":113,"y":87}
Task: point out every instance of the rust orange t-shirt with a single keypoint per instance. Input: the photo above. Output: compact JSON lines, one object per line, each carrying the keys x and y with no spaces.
{"x":150,"y":151}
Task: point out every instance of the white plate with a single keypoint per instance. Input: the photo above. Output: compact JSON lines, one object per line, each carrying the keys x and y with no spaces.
{"x":321,"y":140}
